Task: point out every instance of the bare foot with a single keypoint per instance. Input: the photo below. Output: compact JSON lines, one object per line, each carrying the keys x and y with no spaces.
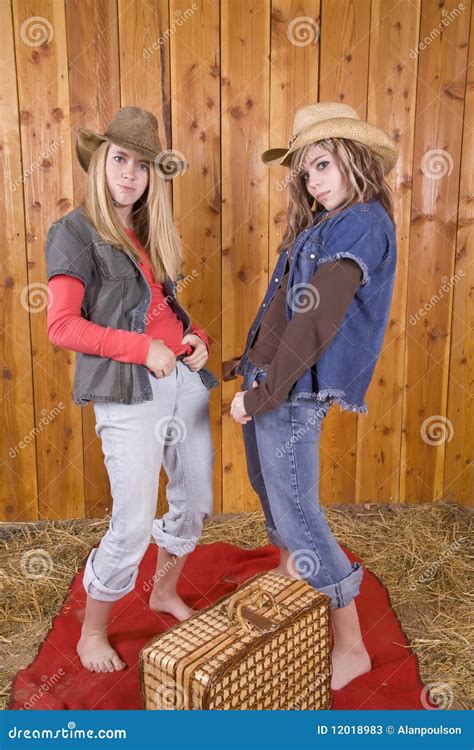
{"x":172,"y":604}
{"x":96,"y":653}
{"x":347,"y":665}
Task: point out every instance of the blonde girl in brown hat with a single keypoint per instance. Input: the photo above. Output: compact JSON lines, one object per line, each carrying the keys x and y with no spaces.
{"x":112,"y":266}
{"x":315,"y":341}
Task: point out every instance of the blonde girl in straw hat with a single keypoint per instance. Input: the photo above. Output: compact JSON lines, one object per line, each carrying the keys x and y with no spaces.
{"x":112,"y":266}
{"x":315,"y":341}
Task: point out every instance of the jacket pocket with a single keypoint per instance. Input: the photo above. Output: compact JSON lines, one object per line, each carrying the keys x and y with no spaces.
{"x":208,"y":378}
{"x":112,"y":262}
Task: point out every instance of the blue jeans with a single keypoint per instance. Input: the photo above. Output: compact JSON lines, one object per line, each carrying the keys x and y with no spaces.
{"x":282,"y":452}
{"x":172,"y":430}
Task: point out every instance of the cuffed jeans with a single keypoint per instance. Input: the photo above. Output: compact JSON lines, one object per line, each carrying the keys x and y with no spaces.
{"x":282,"y":452}
{"x":174,"y":430}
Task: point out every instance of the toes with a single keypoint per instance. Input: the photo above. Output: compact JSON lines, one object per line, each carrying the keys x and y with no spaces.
{"x":117,"y":662}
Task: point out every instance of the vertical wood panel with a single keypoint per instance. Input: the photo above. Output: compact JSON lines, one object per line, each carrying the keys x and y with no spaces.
{"x":344,"y":73}
{"x":19,"y":489}
{"x":82,"y":60}
{"x":43,"y":99}
{"x":391,"y":104}
{"x":293,"y":83}
{"x":458,"y":471}
{"x":245,"y":122}
{"x":439,"y":113}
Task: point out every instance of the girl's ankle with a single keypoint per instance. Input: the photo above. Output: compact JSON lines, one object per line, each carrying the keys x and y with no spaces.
{"x":86,"y":631}
{"x":164,"y":593}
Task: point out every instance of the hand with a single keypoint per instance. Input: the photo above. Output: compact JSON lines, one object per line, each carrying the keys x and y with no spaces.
{"x":228,"y":368}
{"x":161,"y":359}
{"x":237,"y":408}
{"x":199,"y":356}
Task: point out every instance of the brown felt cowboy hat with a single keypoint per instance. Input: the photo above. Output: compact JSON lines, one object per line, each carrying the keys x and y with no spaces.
{"x":333,"y":120}
{"x":137,"y":129}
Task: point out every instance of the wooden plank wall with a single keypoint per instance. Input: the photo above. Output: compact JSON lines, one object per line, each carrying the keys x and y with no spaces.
{"x":224,"y":79}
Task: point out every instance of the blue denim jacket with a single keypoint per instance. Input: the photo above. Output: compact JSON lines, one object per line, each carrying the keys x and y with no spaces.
{"x":365,"y":233}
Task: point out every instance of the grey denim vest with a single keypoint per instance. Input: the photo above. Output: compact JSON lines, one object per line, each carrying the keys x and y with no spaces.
{"x":116,"y":295}
{"x":365,"y":233}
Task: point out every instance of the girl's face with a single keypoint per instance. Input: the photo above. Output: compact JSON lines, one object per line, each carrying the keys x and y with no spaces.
{"x":127,"y":175}
{"x":322,"y":177}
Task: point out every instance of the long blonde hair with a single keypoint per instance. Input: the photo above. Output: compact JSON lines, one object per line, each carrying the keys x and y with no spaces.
{"x":363,"y":171}
{"x":151,"y":218}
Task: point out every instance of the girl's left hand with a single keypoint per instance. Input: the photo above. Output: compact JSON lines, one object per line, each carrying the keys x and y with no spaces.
{"x":237,"y":408}
{"x":199,"y":356}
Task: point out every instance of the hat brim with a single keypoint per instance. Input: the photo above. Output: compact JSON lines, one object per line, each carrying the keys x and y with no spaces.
{"x":339,"y":127}
{"x":88,"y":141}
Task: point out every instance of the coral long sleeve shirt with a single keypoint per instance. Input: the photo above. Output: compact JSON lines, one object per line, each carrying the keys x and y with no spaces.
{"x":68,"y":329}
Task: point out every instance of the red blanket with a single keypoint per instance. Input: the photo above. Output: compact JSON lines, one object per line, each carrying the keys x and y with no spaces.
{"x":57,"y":680}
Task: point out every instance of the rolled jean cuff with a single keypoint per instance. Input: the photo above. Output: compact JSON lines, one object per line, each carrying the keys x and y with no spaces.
{"x":175,"y":545}
{"x":345,"y":591}
{"x":97,"y":590}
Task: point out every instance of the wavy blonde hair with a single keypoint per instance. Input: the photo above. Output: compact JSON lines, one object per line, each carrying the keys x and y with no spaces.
{"x":364,"y":174}
{"x":151,"y":218}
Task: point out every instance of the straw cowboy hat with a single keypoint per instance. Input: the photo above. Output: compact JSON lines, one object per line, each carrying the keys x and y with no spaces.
{"x":137,"y":129}
{"x":333,"y":120}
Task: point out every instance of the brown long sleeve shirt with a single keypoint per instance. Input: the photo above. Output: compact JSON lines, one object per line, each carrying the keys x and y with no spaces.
{"x":287,"y":349}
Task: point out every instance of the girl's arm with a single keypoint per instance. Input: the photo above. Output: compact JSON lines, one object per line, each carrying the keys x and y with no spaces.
{"x":68,"y":329}
{"x":307,"y":335}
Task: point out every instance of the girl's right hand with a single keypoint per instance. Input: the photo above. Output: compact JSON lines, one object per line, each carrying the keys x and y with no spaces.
{"x":161,"y":359}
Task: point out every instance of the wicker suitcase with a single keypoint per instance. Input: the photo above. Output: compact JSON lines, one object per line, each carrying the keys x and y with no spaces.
{"x":267,"y":646}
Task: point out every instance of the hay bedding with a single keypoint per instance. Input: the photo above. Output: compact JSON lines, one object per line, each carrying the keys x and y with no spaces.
{"x":422,"y":554}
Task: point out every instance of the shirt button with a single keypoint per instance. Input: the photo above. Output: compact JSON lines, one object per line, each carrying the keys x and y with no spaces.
{"x":312,"y":255}
{"x":264,"y":304}
{"x":275,"y":279}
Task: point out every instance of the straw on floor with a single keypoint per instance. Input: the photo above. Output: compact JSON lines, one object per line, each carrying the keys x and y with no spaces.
{"x":422,"y":554}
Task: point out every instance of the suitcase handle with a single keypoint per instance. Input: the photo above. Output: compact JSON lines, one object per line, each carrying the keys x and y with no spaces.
{"x":247,"y":617}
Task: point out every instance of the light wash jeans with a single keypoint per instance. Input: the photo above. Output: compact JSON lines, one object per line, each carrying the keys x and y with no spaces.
{"x":282,"y":452}
{"x":173,"y":430}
